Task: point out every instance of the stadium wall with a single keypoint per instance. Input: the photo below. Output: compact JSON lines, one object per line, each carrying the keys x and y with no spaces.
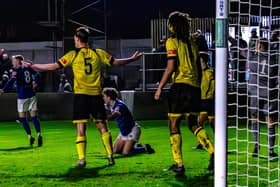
{"x":59,"y":106}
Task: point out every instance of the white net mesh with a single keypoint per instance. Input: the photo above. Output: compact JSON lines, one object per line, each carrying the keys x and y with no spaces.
{"x":253,"y":93}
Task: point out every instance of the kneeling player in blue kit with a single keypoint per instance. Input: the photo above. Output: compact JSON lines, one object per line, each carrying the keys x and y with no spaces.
{"x":129,"y":130}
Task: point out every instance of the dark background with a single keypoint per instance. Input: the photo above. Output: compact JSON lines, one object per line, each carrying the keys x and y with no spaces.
{"x":125,"y":18}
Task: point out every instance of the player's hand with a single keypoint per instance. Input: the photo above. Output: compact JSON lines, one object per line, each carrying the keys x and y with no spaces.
{"x":1,"y":92}
{"x":34,"y":85}
{"x":27,"y":64}
{"x":157,"y":94}
{"x":136,"y":55}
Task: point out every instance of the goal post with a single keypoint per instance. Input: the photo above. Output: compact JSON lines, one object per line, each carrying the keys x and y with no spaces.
{"x":221,"y":36}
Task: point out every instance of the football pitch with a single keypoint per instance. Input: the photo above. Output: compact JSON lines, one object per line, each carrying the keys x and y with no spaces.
{"x":53,"y":164}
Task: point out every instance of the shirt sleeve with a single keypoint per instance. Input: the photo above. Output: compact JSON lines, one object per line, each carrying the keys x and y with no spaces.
{"x":67,"y":59}
{"x":105,"y":57}
{"x":171,"y":48}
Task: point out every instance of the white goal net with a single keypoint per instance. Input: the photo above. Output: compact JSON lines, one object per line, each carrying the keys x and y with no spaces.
{"x":253,"y":93}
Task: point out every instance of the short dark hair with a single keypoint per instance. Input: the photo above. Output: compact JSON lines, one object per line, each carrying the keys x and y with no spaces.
{"x":18,"y":57}
{"x":111,"y":92}
{"x":82,"y":33}
{"x":264,"y":43}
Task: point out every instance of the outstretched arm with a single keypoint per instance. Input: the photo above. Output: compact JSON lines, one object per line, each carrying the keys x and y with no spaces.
{"x":167,"y":74}
{"x":45,"y":67}
{"x":123,"y":61}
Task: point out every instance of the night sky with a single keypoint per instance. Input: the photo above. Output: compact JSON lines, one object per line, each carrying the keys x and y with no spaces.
{"x":126,"y":18}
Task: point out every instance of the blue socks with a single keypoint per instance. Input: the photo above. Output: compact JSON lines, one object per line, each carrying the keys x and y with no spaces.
{"x":25,"y":125}
{"x":36,"y":123}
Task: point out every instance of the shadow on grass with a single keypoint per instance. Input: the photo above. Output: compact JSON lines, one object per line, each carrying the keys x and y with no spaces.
{"x":206,"y":179}
{"x":78,"y":174}
{"x":18,"y":148}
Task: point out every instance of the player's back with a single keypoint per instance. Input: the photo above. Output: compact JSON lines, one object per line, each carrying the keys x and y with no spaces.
{"x":86,"y":64}
{"x":125,"y":120}
{"x":24,"y":82}
{"x":263,"y":73}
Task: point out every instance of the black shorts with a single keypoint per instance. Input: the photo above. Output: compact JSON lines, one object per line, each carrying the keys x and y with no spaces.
{"x":183,"y":99}
{"x":87,"y":106}
{"x":208,"y":105}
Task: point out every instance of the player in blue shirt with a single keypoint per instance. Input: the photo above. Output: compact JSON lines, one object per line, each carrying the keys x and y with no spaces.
{"x":129,"y":130}
{"x":26,"y":82}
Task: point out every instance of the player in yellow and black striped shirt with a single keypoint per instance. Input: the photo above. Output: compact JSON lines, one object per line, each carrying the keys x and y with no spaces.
{"x":86,"y":64}
{"x":207,"y":104}
{"x":184,"y":96}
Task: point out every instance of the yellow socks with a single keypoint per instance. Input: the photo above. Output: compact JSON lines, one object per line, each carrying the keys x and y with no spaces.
{"x":176,"y":148}
{"x":81,"y":146}
{"x":107,"y":141}
{"x":204,"y":140}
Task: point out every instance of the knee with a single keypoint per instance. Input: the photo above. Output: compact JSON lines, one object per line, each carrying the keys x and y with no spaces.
{"x":102,"y":126}
{"x":125,"y":153}
{"x":174,"y":125}
{"x":192,"y":123}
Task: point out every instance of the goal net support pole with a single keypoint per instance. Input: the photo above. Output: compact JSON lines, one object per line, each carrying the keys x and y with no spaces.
{"x":221,"y":93}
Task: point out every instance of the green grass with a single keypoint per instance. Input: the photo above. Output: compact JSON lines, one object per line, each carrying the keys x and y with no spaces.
{"x":52,"y":164}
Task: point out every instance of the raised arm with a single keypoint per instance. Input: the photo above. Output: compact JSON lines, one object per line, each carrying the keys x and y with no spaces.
{"x":123,"y":61}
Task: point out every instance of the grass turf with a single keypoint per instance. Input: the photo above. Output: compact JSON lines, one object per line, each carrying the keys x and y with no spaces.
{"x":52,"y":164}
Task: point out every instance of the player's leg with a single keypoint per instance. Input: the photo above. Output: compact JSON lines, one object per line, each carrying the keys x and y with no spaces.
{"x":200,"y":133}
{"x":106,"y":138}
{"x":99,"y":114}
{"x":202,"y":137}
{"x":81,"y":114}
{"x":127,"y":147}
{"x":271,"y":119}
{"x":176,"y":142}
{"x":118,"y":145}
{"x":271,"y":135}
{"x":202,"y":117}
{"x":33,"y":111}
{"x":212,"y":122}
{"x":253,"y":107}
{"x":22,"y":109}
{"x":131,"y":139}
{"x":211,"y":114}
{"x":195,"y":127}
{"x":81,"y":143}
{"x":176,"y":101}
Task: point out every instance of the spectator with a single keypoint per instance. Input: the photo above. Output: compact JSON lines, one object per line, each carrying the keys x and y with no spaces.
{"x":5,"y":62}
{"x":275,"y":41}
{"x":238,"y":57}
{"x":253,"y":40}
{"x":4,"y":79}
{"x":200,"y":41}
{"x":64,"y":85}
